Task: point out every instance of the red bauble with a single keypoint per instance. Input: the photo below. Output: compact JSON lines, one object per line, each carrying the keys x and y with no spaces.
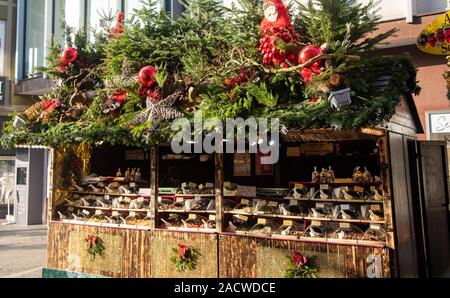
{"x":68,"y":56}
{"x":120,"y":96}
{"x":306,"y":75}
{"x":147,"y":76}
{"x":309,"y":52}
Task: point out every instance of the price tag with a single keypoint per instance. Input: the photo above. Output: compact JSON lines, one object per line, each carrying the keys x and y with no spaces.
{"x":193,"y":216}
{"x":359,"y":189}
{"x":288,"y":223}
{"x":245,"y":202}
{"x":227,"y":184}
{"x":320,"y":205}
{"x":209,"y":185}
{"x":149,"y":214}
{"x":346,"y":207}
{"x":201,"y":187}
{"x":107,"y":197}
{"x":198,"y":198}
{"x":375,"y":207}
{"x":184,"y":185}
{"x":70,"y":209}
{"x":132,"y":185}
{"x":262,"y":221}
{"x":85,"y":212}
{"x":375,"y":227}
{"x":242,"y":217}
{"x":344,"y":225}
{"x":324,"y":187}
{"x":192,"y":185}
{"x":98,"y":212}
{"x":273,"y":204}
{"x":212,"y":217}
{"x":115,"y":214}
{"x":316,"y":223}
{"x":180,"y":200}
{"x":299,"y":186}
{"x":373,"y":188}
{"x":132,"y":214}
{"x":140,"y":200}
{"x":293,"y":203}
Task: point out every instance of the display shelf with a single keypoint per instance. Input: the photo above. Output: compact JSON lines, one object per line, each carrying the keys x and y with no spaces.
{"x":305,"y":218}
{"x":103,"y":225}
{"x":188,"y":212}
{"x":336,"y":184}
{"x":372,"y":202}
{"x":192,"y":196}
{"x":111,"y":194}
{"x":112,"y":209}
{"x":377,"y":244}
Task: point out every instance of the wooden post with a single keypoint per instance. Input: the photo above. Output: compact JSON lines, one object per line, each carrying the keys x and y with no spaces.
{"x":219,"y":192}
{"x":154,"y":171}
{"x":52,"y":185}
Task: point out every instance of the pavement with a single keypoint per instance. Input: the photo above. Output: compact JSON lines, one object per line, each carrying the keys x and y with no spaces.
{"x":23,"y":251}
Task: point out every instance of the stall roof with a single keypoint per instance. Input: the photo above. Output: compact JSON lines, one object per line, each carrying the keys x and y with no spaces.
{"x":325,"y":135}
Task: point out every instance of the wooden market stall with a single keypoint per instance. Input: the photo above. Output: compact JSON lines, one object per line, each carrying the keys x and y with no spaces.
{"x":352,"y":229}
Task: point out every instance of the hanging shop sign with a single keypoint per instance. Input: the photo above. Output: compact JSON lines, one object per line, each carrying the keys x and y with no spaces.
{"x":440,"y":123}
{"x":316,"y":149}
{"x":262,"y":169}
{"x":242,"y":165}
{"x":435,"y":38}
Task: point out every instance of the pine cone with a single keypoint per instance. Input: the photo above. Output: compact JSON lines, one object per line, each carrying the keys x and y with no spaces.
{"x":335,"y":80}
{"x":33,"y":112}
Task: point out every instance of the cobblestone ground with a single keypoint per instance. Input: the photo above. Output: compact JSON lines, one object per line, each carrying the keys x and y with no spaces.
{"x":23,"y":251}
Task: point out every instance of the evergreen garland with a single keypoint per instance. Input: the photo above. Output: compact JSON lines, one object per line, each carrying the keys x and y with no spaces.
{"x":210,"y":55}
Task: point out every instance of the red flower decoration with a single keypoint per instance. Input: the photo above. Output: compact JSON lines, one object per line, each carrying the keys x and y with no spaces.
{"x":68,"y":56}
{"x":298,"y":260}
{"x":119,"y":96}
{"x":118,"y":28}
{"x":147,"y":76}
{"x":183,"y":251}
{"x":154,"y":95}
{"x":51,"y":105}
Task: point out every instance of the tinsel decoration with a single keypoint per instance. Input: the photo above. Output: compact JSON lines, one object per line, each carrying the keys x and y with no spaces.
{"x":126,"y":80}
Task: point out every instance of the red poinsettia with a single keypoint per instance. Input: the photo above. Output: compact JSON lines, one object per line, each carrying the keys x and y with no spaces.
{"x":298,"y":260}
{"x":68,"y":56}
{"x":120,"y":96}
{"x":183,"y":251}
{"x":51,"y":104}
{"x":92,"y":240}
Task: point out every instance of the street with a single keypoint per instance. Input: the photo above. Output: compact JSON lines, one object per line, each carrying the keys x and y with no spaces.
{"x":22,"y":251}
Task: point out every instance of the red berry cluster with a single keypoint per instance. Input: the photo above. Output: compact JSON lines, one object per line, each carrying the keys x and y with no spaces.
{"x":268,"y":46}
{"x":234,"y":81}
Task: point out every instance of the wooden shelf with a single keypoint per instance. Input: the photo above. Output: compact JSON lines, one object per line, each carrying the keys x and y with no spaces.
{"x":112,"y":209}
{"x":303,"y":218}
{"x":188,"y":212}
{"x":372,"y":202}
{"x":104,"y":225}
{"x":111,"y":194}
{"x":337,"y":184}
{"x":377,"y":244}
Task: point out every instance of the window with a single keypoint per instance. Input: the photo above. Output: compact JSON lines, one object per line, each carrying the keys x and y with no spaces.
{"x":2,"y":47}
{"x":71,"y":12}
{"x":99,"y":8}
{"x":431,"y":6}
{"x":35,"y":37}
{"x":130,"y":5}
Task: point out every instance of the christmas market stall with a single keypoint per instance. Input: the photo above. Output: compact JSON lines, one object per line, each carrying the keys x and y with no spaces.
{"x":124,"y":204}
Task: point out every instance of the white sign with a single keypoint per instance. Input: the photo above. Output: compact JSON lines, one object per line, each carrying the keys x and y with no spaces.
{"x":440,"y":123}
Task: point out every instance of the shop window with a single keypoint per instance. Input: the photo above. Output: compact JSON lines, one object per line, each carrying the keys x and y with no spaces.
{"x":7,"y":168}
{"x":97,"y":9}
{"x":431,"y":6}
{"x":131,"y":5}
{"x":70,"y":12}
{"x":35,"y":37}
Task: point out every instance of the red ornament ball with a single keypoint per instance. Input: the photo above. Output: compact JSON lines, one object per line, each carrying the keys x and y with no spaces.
{"x":147,"y":76}
{"x":309,"y":52}
{"x":68,"y":56}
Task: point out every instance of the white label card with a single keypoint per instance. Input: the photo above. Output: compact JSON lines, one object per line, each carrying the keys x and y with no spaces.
{"x":345,"y":207}
{"x":115,"y":213}
{"x":273,"y":204}
{"x":70,"y":209}
{"x":375,"y":207}
{"x":98,"y":212}
{"x":316,"y":223}
{"x":324,"y":187}
{"x":212,"y":217}
{"x":293,"y":203}
{"x":180,"y":200}
{"x":288,"y":223}
{"x":107,"y":197}
{"x":320,"y":205}
{"x":193,"y":216}
{"x":243,"y":217}
{"x":132,"y":214}
{"x":262,"y":221}
{"x":85,"y":212}
{"x":132,"y":185}
{"x":344,"y":225}
{"x":375,"y":227}
{"x":245,"y":202}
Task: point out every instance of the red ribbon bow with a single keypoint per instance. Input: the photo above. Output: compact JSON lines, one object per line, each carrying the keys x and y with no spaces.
{"x":298,"y":260}
{"x":183,"y":251}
